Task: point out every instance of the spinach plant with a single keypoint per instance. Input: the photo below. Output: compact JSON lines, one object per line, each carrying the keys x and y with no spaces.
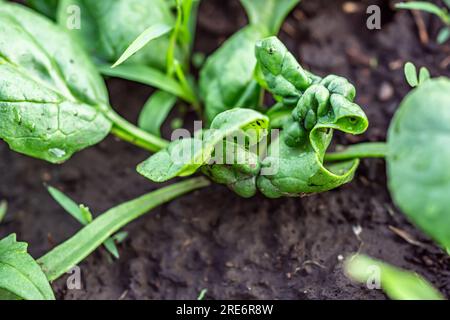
{"x":23,"y":277}
{"x":316,"y":107}
{"x":442,"y":13}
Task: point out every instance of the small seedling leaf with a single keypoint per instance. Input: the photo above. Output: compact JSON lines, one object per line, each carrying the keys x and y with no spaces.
{"x":411,"y":74}
{"x":424,"y":75}
{"x":3,"y":209}
{"x":76,"y":211}
{"x":443,"y":35}
{"x":398,"y":284}
{"x":423,"y":6}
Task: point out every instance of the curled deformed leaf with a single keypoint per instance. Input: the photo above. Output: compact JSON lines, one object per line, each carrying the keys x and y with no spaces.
{"x":185,"y":156}
{"x":20,"y":275}
{"x":296,"y":160}
{"x":418,"y":158}
{"x":50,"y":95}
{"x":285,"y":77}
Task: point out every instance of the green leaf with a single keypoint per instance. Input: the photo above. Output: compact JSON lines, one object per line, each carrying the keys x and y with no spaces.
{"x":111,"y":248}
{"x":284,"y":76}
{"x":47,"y":7}
{"x":3,"y":209}
{"x":443,"y":35}
{"x":296,"y":158}
{"x":148,"y":76}
{"x":20,"y":275}
{"x":411,"y":74}
{"x":70,"y":206}
{"x":155,"y":112}
{"x":52,"y":98}
{"x":108,"y":28}
{"x":110,"y":243}
{"x":269,"y":13}
{"x":398,"y":284}
{"x":202,"y":294}
{"x":424,"y":75}
{"x":73,"y":251}
{"x":419,"y":158}
{"x":184,"y":157}
{"x":149,"y":34}
{"x":423,"y":6}
{"x":227,"y":75}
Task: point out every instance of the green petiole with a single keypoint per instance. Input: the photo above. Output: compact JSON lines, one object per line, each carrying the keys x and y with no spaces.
{"x":359,"y":151}
{"x":132,"y":134}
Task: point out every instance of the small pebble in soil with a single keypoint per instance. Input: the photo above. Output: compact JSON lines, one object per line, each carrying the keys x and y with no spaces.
{"x":386,"y":91}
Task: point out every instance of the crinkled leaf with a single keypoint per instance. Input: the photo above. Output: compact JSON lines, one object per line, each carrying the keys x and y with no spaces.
{"x":419,"y":158}
{"x":51,"y":94}
{"x":226,"y":80}
{"x":284,"y":76}
{"x":108,"y":28}
{"x":296,"y":159}
{"x":20,"y":275}
{"x":155,"y":112}
{"x":184,"y":157}
{"x":398,"y":284}
{"x":269,"y":13}
{"x":238,"y":171}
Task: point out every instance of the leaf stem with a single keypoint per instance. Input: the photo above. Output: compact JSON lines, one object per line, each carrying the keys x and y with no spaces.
{"x":77,"y":248}
{"x":132,"y":134}
{"x":358,"y":151}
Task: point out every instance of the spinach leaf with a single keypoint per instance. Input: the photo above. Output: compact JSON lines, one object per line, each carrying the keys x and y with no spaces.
{"x":418,"y":158}
{"x":109,"y":27}
{"x":184,"y":157}
{"x":321,"y":106}
{"x":226,"y":80}
{"x":47,"y":7}
{"x":20,"y":275}
{"x":398,"y":284}
{"x":269,"y":13}
{"x":51,"y":95}
{"x":300,"y":169}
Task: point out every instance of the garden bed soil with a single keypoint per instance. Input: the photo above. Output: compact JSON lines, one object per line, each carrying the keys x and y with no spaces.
{"x":212,"y":239}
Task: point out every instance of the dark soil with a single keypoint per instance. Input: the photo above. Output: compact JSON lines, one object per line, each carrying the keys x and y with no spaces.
{"x":212,"y":239}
